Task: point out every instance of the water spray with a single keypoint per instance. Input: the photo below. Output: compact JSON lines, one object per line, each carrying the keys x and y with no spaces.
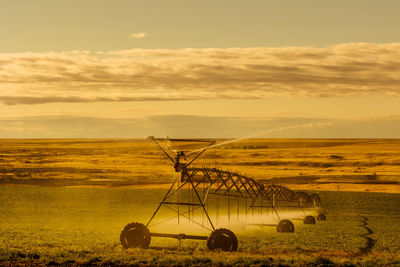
{"x":299,"y":126}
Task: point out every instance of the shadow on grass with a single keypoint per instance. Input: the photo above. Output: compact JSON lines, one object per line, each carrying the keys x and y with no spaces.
{"x":370,"y":242}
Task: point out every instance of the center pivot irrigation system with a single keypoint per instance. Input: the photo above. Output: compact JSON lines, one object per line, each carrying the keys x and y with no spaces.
{"x":200,"y":195}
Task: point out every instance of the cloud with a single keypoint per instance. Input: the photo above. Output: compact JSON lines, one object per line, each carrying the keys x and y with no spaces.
{"x":31,"y":100}
{"x":352,"y":69}
{"x":139,"y":35}
{"x":192,"y":126}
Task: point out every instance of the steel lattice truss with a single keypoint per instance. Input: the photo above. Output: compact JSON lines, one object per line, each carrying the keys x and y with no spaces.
{"x":209,"y":190}
{"x":204,"y":182}
{"x":233,"y":184}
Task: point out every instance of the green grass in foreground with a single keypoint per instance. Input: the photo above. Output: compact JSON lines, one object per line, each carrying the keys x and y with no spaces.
{"x":48,"y":225}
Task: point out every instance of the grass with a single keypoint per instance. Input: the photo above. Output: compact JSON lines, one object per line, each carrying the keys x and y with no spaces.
{"x":123,"y":162}
{"x":49,"y":225}
{"x":66,"y":201}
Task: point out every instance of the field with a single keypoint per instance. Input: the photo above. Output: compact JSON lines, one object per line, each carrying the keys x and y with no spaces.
{"x":56,"y":225}
{"x":314,"y":164}
{"x":66,"y":202}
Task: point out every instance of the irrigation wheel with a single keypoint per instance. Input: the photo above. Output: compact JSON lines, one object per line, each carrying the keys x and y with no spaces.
{"x":223,"y":239}
{"x":309,"y":220}
{"x":135,"y":235}
{"x":321,"y":217}
{"x":285,"y":226}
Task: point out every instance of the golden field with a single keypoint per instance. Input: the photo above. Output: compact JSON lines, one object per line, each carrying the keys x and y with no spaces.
{"x":66,"y":201}
{"x":311,"y":164}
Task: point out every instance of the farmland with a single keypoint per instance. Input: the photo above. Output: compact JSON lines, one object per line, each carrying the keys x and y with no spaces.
{"x":66,"y":202}
{"x":81,"y":225}
{"x":313,"y":164}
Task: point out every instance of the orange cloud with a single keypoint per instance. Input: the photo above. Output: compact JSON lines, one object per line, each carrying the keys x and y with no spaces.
{"x":139,"y":35}
{"x":170,"y":74}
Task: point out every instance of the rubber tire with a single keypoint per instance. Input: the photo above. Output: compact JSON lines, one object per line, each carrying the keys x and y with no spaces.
{"x":309,"y":220}
{"x":285,"y":226}
{"x":321,"y":217}
{"x":135,"y":235}
{"x":223,"y":239}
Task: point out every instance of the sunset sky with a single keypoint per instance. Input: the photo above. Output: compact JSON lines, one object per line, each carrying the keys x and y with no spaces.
{"x":224,"y":68}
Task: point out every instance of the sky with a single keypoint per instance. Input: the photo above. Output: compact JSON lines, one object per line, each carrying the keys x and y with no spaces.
{"x":129,"y":69}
